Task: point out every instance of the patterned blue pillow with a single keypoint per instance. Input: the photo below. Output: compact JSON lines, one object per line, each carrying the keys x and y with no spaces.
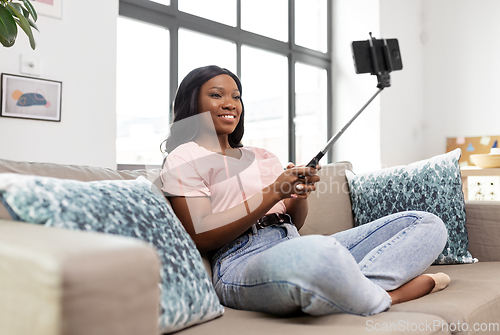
{"x":433,"y":185}
{"x":134,"y":208}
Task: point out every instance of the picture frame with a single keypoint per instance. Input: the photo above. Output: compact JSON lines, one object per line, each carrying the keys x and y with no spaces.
{"x":52,"y":8}
{"x":30,"y":98}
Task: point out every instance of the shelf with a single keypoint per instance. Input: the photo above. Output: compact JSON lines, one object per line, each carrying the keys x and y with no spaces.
{"x":474,"y":171}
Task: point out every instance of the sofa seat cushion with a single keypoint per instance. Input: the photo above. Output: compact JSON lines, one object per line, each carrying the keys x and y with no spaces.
{"x":472,"y":298}
{"x":245,"y":322}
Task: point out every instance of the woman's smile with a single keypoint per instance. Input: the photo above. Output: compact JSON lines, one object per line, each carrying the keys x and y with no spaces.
{"x":228,"y":117}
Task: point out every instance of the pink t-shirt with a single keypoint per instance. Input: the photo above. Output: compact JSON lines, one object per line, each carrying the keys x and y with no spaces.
{"x":191,"y":170}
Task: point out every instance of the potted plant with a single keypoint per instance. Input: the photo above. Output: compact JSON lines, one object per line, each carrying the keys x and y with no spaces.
{"x":12,"y":14}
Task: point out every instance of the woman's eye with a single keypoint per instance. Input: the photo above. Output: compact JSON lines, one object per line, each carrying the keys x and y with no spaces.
{"x":215,"y":95}
{"x":237,"y":97}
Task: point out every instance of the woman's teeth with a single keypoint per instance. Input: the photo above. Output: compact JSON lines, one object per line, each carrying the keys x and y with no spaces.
{"x":227,"y":116}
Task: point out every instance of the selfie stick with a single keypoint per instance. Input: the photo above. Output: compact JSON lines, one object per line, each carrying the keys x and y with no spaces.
{"x":384,"y":80}
{"x":320,"y":155}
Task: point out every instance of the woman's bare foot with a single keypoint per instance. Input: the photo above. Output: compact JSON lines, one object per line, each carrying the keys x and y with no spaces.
{"x":419,"y":286}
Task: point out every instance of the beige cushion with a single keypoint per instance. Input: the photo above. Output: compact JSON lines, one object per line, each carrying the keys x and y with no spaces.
{"x":473,"y":296}
{"x":330,"y":205}
{"x":57,"y":281}
{"x":4,"y":215}
{"x":75,"y":172}
{"x":249,"y":323}
{"x":483,"y":229}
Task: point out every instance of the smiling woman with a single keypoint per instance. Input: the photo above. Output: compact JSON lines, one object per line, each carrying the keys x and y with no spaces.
{"x":209,"y":89}
{"x":238,"y":203}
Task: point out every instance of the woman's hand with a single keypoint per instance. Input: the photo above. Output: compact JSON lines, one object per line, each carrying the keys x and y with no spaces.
{"x":296,"y":182}
{"x":306,"y":184}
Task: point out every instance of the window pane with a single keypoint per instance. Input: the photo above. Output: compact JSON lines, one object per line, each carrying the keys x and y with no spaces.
{"x":142,"y":92}
{"x":223,"y":11}
{"x":163,"y":2}
{"x":197,"y":50}
{"x":264,"y":17}
{"x":265,"y":95}
{"x":311,"y":112}
{"x":311,"y":24}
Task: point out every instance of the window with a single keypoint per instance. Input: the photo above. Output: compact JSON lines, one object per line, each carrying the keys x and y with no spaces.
{"x":311,"y":95}
{"x":142,"y":91}
{"x":197,"y":50}
{"x":267,"y":18}
{"x":280,"y":49}
{"x":265,"y":93}
{"x":223,"y":11}
{"x":311,"y":21}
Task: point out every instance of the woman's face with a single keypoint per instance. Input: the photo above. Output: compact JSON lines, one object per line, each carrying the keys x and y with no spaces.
{"x":220,"y":96}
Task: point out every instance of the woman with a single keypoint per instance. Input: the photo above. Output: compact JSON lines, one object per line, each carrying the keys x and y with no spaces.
{"x":240,"y":205}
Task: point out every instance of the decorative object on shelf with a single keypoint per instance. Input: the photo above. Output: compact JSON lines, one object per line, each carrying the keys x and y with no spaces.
{"x":12,"y":14}
{"x":472,"y":146}
{"x":52,"y":8}
{"x":31,"y":98}
{"x":485,"y":161}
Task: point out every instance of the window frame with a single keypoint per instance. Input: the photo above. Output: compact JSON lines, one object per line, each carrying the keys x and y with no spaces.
{"x":171,"y":18}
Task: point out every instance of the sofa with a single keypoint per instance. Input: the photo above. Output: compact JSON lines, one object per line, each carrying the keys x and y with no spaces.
{"x":57,"y":281}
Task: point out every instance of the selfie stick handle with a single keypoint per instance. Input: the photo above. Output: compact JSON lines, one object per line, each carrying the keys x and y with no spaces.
{"x":320,"y":155}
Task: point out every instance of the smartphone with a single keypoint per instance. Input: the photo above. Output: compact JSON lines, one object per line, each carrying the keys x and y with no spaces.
{"x":386,"y":51}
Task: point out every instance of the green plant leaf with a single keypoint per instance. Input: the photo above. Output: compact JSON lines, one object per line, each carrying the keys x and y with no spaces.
{"x":21,"y":9}
{"x":31,"y":9}
{"x":6,"y":43}
{"x":18,"y":7}
{"x":25,"y":12}
{"x":8,"y":28}
{"x":30,"y":21}
{"x":24,"y":24}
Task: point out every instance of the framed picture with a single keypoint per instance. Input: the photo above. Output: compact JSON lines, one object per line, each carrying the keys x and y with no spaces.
{"x":52,"y":8}
{"x":31,"y":98}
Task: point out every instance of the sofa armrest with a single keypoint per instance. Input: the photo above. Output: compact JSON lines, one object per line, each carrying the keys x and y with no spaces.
{"x":483,"y":229}
{"x":56,"y":281}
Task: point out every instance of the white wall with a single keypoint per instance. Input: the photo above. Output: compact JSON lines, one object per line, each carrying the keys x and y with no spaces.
{"x":360,"y":144}
{"x":80,"y":51}
{"x":462,"y":71}
{"x":450,"y":80}
{"x":402,"y":117}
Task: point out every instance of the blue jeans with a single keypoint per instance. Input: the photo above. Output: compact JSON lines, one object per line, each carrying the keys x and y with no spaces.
{"x":275,"y":270}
